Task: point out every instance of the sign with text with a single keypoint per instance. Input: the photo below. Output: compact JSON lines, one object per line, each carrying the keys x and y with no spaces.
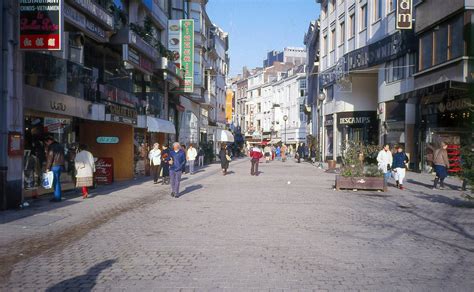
{"x":187,"y":53}
{"x":40,"y":25}
{"x":404,"y":14}
{"x":104,"y":170}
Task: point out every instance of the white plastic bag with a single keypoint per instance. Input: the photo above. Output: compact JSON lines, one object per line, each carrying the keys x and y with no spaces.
{"x":47,"y":181}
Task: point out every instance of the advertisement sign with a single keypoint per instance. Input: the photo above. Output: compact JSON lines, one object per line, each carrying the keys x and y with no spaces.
{"x":40,"y":25}
{"x":181,"y":43}
{"x":187,"y":53}
{"x":80,"y":20}
{"x":104,"y":171}
{"x":121,"y":114}
{"x":55,"y":125}
{"x":107,"y":140}
{"x":229,"y":101}
{"x":404,"y":14}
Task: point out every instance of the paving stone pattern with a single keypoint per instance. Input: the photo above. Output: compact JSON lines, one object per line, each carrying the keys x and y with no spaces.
{"x":286,"y":229}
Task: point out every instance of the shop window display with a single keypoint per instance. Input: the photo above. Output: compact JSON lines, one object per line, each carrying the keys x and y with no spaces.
{"x":36,"y":129}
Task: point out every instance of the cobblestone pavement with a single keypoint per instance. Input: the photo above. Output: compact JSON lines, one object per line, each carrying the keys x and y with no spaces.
{"x":286,"y":229}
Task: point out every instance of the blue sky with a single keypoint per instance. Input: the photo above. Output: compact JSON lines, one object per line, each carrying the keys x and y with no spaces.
{"x":258,"y":26}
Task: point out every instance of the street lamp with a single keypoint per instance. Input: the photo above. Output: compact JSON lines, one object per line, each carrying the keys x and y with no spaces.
{"x":285,"y":118}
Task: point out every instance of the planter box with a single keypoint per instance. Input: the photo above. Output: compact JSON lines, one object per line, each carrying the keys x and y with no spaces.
{"x":360,"y":183}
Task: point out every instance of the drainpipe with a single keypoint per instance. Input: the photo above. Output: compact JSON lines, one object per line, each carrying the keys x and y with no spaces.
{"x":3,"y":110}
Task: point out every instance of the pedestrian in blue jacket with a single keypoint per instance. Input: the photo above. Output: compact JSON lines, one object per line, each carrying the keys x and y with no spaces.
{"x":399,"y":165}
{"x":177,"y":163}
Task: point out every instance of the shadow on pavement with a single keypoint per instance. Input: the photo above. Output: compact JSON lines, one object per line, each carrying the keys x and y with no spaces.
{"x":453,"y":202}
{"x":86,"y":282}
{"x":190,"y":189}
{"x":429,"y":186}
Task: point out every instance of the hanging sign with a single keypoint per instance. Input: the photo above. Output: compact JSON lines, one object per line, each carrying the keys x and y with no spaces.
{"x":404,"y":14}
{"x":40,"y":25}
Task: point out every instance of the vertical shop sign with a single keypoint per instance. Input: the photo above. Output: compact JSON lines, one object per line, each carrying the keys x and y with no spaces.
{"x":404,"y":14}
{"x":187,"y":53}
{"x":104,"y":170}
{"x":174,"y":41}
{"x":40,"y":24}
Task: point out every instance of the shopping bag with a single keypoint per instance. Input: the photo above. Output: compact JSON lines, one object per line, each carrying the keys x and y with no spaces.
{"x":47,"y":181}
{"x":228,"y":158}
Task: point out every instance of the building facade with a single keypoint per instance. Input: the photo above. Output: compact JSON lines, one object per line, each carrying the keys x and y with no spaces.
{"x":364,"y":63}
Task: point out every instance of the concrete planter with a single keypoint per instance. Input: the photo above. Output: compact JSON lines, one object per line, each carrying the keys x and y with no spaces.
{"x":360,"y":183}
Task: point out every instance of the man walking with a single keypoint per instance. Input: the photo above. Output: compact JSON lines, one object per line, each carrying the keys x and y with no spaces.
{"x":201,"y":157}
{"x":400,"y":160}
{"x":155,"y":162}
{"x":177,"y":163}
{"x":55,"y":163}
{"x":255,"y":155}
{"x":191,"y":155}
{"x":385,"y":160}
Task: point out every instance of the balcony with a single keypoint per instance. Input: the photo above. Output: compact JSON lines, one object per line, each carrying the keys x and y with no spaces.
{"x":157,"y":13}
{"x":126,"y":36}
{"x":171,"y":73}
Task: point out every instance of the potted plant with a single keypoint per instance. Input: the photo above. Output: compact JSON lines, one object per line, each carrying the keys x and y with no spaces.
{"x":358,"y":168}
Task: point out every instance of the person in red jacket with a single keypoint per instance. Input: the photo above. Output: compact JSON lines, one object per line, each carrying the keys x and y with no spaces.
{"x":255,"y":155}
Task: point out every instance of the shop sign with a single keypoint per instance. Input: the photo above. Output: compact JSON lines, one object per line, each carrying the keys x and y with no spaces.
{"x":121,"y":114}
{"x":391,"y":47}
{"x":15,"y":144}
{"x":104,"y":170}
{"x":404,"y":14}
{"x":448,"y":106}
{"x":329,"y":121}
{"x":358,"y":59}
{"x":174,"y":40}
{"x":107,"y":140}
{"x":55,"y":125}
{"x":80,"y":20}
{"x":116,"y":95}
{"x":187,"y":53}
{"x":97,"y":12}
{"x":57,"y":106}
{"x":356,"y":118}
{"x":40,"y":25}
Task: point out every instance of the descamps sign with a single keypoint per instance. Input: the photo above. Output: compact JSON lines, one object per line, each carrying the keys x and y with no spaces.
{"x":357,"y":119}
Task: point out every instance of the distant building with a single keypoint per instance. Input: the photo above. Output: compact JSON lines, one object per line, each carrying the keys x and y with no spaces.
{"x":293,"y":55}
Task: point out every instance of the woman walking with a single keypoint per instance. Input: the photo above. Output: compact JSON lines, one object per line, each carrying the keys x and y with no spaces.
{"x":441,"y":165}
{"x":400,"y":160}
{"x":85,"y":168}
{"x":155,"y":162}
{"x":224,"y":157}
{"x":165,"y":167}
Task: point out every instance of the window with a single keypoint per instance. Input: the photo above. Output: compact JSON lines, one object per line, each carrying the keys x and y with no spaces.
{"x":411,"y":64}
{"x":426,"y":49}
{"x":352,"y":22}
{"x":333,"y":39}
{"x":342,"y":32}
{"x":302,"y":83}
{"x":329,"y":94}
{"x":456,"y":42}
{"x":441,"y":44}
{"x":377,"y":10}
{"x":332,"y":5}
{"x":391,"y":4}
{"x":363,"y":17}
{"x":325,"y":41}
{"x":395,"y":70}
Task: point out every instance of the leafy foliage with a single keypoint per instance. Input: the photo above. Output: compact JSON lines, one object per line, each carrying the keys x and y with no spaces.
{"x":146,"y":33}
{"x":467,"y":160}
{"x":359,"y":160}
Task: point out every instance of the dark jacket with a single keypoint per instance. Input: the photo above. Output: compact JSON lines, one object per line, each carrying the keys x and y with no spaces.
{"x":223,"y":158}
{"x":399,"y":160}
{"x":165,"y":158}
{"x":179,"y":160}
{"x":55,"y":156}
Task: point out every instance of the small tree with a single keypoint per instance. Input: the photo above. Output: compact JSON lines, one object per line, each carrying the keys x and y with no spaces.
{"x":359,"y":160}
{"x":467,"y":160}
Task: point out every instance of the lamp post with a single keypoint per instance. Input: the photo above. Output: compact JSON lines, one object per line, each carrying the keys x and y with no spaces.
{"x":272,"y":128}
{"x":285,"y":118}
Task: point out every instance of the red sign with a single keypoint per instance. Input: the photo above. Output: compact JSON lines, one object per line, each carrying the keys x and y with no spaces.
{"x":40,"y":25}
{"x":104,"y":170}
{"x":15,"y":144}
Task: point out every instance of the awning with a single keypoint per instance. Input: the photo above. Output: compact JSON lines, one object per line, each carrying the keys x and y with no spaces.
{"x":160,"y":125}
{"x":224,"y":136}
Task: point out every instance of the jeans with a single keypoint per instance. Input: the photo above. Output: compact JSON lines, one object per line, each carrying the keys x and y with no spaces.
{"x":175,"y":177}
{"x":254,"y":169}
{"x":201,"y":160}
{"x":57,"y":181}
{"x":191,"y":166}
{"x":386,"y":177}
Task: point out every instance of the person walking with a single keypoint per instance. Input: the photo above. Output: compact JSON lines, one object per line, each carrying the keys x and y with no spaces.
{"x":255,"y":155}
{"x":177,"y":163}
{"x":85,"y":168}
{"x":278,"y":153}
{"x":267,"y":150}
{"x":284,"y":151}
{"x":201,"y":157}
{"x":224,"y":158}
{"x":165,"y":167}
{"x":385,"y":160}
{"x":441,"y":165}
{"x":191,"y":155}
{"x":55,"y":163}
{"x":155,"y":162}
{"x":300,"y":152}
{"x":400,"y":160}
